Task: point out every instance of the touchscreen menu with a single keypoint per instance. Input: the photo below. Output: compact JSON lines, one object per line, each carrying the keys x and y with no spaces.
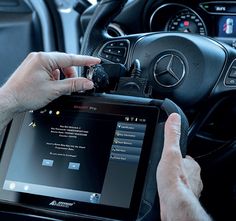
{"x":82,"y":154}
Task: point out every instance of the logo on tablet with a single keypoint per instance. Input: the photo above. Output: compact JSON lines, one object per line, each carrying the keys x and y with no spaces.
{"x":61,"y":204}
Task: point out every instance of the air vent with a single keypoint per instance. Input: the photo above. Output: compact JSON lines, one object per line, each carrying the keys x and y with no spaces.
{"x":114,"y":30}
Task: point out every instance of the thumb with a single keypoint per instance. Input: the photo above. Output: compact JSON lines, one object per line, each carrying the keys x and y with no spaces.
{"x":69,"y":85}
{"x":172,"y":136}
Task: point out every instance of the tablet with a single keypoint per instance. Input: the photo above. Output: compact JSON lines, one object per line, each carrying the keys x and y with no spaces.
{"x":80,"y":155}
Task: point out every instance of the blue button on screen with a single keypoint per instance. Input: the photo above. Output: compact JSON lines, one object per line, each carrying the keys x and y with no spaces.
{"x":47,"y":163}
{"x":74,"y":166}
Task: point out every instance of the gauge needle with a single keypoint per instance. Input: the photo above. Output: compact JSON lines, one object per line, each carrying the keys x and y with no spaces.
{"x":187,"y":30}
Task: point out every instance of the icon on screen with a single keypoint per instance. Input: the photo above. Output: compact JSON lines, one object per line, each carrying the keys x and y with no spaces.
{"x":118,"y":134}
{"x":43,"y":111}
{"x":26,"y":188}
{"x":32,"y":124}
{"x":73,"y":166}
{"x":126,"y":118}
{"x":142,"y":120}
{"x":12,"y":186}
{"x":47,"y":162}
{"x":228,"y":26}
{"x":94,"y":198}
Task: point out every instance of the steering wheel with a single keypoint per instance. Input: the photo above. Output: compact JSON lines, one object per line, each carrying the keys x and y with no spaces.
{"x":187,"y":68}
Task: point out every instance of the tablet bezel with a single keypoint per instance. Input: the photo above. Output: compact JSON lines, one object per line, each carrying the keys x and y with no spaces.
{"x":151,"y":113}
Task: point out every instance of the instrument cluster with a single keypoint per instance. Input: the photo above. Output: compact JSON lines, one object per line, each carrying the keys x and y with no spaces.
{"x":215,"y":19}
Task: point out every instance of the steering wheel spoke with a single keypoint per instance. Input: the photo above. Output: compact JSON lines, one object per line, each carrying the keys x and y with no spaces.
{"x":115,"y":51}
{"x":118,"y":50}
{"x":227,"y":81}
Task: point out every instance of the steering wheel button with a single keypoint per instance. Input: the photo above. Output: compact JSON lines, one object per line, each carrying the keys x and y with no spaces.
{"x":117,"y":44}
{"x":107,"y":56}
{"x":230,"y":81}
{"x":115,"y":51}
{"x":117,"y":60}
{"x":122,"y":44}
{"x":111,"y":44}
{"x":232,"y":73}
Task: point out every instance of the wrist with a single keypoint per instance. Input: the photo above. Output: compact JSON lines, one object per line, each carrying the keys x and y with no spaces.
{"x":8,"y":100}
{"x":180,"y":204}
{"x":171,"y":201}
{"x":8,"y":107}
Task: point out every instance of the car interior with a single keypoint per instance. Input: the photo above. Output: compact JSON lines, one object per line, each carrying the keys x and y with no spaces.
{"x":150,"y":50}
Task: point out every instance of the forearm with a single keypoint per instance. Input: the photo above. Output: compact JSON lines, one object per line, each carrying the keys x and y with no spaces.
{"x":184,"y":207}
{"x":7,"y":108}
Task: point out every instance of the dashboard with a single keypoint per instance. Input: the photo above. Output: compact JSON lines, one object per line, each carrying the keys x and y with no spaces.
{"x":177,"y":17}
{"x":216,"y":19}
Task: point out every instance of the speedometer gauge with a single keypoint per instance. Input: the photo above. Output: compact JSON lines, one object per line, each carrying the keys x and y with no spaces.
{"x":187,"y":21}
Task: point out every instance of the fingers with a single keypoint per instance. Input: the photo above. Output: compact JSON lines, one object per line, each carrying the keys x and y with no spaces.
{"x":62,"y":60}
{"x":69,"y":72}
{"x":70,"y":85}
{"x":190,"y":158}
{"x":56,"y":74}
{"x":193,"y":172}
{"x":57,"y":60}
{"x":172,"y":136}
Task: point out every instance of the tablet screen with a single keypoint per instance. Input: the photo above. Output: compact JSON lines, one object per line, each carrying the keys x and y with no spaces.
{"x":78,"y":153}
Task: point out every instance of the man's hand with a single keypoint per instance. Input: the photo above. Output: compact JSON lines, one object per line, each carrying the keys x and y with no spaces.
{"x":182,"y":172}
{"x":36,"y":81}
{"x":178,"y":179}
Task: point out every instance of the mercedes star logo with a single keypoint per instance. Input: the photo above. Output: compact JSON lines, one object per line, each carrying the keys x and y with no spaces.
{"x":169,"y":70}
